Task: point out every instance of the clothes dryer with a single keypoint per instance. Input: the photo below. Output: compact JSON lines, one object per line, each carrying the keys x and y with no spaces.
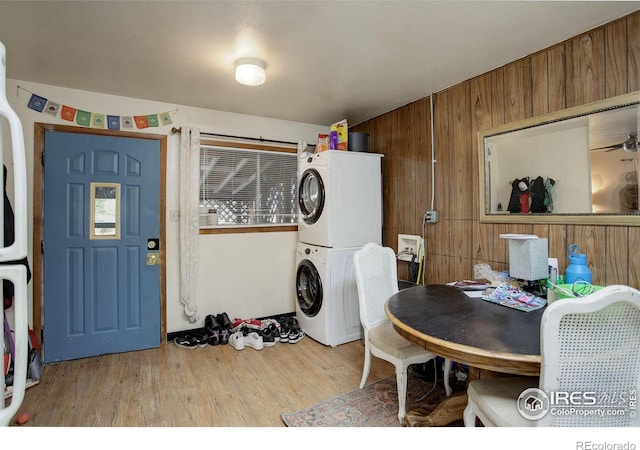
{"x":326,"y":294}
{"x":340,"y":199}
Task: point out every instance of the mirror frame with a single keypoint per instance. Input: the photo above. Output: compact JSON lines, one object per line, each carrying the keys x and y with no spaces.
{"x":552,"y":218}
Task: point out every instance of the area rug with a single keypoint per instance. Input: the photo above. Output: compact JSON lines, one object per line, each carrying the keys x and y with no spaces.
{"x":376,"y":405}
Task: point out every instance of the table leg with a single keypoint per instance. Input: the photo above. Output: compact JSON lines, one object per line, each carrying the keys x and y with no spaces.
{"x":449,"y":410}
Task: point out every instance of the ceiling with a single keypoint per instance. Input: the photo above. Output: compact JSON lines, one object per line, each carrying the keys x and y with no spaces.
{"x":325,"y":60}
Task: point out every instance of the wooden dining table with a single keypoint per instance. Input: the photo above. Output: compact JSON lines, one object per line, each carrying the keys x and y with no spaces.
{"x":468,"y":330}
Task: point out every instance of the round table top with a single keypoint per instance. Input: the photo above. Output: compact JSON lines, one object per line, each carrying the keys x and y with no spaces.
{"x":468,"y":330}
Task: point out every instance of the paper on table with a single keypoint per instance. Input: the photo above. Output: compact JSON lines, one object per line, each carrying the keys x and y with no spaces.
{"x":474,"y":294}
{"x":470,"y":285}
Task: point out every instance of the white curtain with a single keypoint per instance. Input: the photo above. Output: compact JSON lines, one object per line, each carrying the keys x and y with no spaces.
{"x":189,"y":219}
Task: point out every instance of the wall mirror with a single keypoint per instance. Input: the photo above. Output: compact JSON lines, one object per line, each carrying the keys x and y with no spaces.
{"x":579,"y":165}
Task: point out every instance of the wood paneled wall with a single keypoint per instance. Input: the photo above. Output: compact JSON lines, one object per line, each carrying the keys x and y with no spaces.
{"x":599,"y":64}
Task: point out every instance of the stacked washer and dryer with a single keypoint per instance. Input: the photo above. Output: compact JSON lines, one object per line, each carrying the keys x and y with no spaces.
{"x":340,"y":198}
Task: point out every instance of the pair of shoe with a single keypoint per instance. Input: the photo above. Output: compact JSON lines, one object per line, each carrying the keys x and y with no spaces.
{"x":218,"y":337}
{"x":219,"y":321}
{"x":218,"y":328}
{"x":253,"y":339}
{"x":270,"y":335}
{"x":191,"y":340}
{"x":290,"y":330}
{"x":271,"y":327}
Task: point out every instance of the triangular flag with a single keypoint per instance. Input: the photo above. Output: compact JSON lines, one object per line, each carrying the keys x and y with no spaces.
{"x":141,"y":121}
{"x":83,"y":118}
{"x":98,"y":120}
{"x":52,"y":108}
{"x":152,"y":120}
{"x":113,"y":122}
{"x":68,"y":113}
{"x":127,"y":122}
{"x":37,"y":103}
{"x":165,"y":118}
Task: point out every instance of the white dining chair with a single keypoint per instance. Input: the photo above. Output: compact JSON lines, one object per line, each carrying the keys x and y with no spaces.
{"x":377,"y":279}
{"x":588,"y":345}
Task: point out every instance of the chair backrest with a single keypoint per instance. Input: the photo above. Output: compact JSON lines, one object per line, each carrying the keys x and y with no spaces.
{"x":377,"y":279}
{"x":591,"y":346}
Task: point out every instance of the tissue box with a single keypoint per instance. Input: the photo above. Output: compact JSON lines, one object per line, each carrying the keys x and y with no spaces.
{"x":529,"y":259}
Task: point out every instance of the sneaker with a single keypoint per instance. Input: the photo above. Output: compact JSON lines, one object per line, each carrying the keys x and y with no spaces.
{"x":236,"y":340}
{"x":273,"y":326}
{"x":201,"y":337}
{"x":224,"y":321}
{"x":254,"y":340}
{"x":224,"y":337}
{"x":214,"y":338}
{"x":187,"y":341}
{"x":253,"y":324}
{"x":275,"y":331}
{"x":284,"y":329}
{"x":236,"y":324}
{"x":295,"y":335}
{"x":268,"y":337}
{"x":293,"y":323}
{"x":211,"y":324}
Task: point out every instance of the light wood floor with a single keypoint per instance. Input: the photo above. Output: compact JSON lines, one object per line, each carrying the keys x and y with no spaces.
{"x":211,"y":386}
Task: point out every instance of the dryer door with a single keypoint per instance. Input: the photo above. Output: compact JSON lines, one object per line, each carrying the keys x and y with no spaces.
{"x":311,"y":196}
{"x":308,"y":288}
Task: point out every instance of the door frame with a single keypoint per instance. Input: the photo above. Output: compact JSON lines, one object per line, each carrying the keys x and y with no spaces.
{"x":38,"y":216}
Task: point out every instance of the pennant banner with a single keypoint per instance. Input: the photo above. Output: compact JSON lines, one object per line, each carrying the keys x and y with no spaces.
{"x":83,"y":118}
{"x":98,"y":120}
{"x":68,"y":113}
{"x":113,"y":122}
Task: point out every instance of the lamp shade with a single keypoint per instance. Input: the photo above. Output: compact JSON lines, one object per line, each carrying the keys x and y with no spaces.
{"x":250,"y":71}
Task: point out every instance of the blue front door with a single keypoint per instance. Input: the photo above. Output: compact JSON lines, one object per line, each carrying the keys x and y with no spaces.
{"x":101,"y":225}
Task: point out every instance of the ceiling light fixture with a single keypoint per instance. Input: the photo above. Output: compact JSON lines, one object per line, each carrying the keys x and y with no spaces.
{"x":250,"y":71}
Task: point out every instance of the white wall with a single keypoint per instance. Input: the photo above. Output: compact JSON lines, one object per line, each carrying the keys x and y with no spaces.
{"x":558,"y":152}
{"x":613,"y":176}
{"x":244,"y":275}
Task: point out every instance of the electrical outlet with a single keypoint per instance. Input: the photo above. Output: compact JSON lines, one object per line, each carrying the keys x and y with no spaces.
{"x":174,"y":216}
{"x":431,"y":216}
{"x":408,"y":247}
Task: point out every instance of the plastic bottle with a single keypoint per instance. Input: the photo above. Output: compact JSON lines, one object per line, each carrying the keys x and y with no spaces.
{"x":577,"y":269}
{"x":333,"y":140}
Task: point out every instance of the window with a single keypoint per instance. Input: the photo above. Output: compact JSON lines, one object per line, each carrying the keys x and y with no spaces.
{"x":248,"y":185}
{"x":105,"y":211}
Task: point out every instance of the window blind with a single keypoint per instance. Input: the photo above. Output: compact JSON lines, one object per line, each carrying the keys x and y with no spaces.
{"x":248,"y":186}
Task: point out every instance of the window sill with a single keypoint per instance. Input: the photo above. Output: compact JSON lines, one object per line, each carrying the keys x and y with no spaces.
{"x":221,"y":229}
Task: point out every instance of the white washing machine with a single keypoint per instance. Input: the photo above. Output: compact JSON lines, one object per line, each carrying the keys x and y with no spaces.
{"x":326,"y":294}
{"x":340,"y":199}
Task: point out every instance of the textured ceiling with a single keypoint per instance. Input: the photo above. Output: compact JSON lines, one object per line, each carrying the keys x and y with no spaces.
{"x":326,"y":60}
